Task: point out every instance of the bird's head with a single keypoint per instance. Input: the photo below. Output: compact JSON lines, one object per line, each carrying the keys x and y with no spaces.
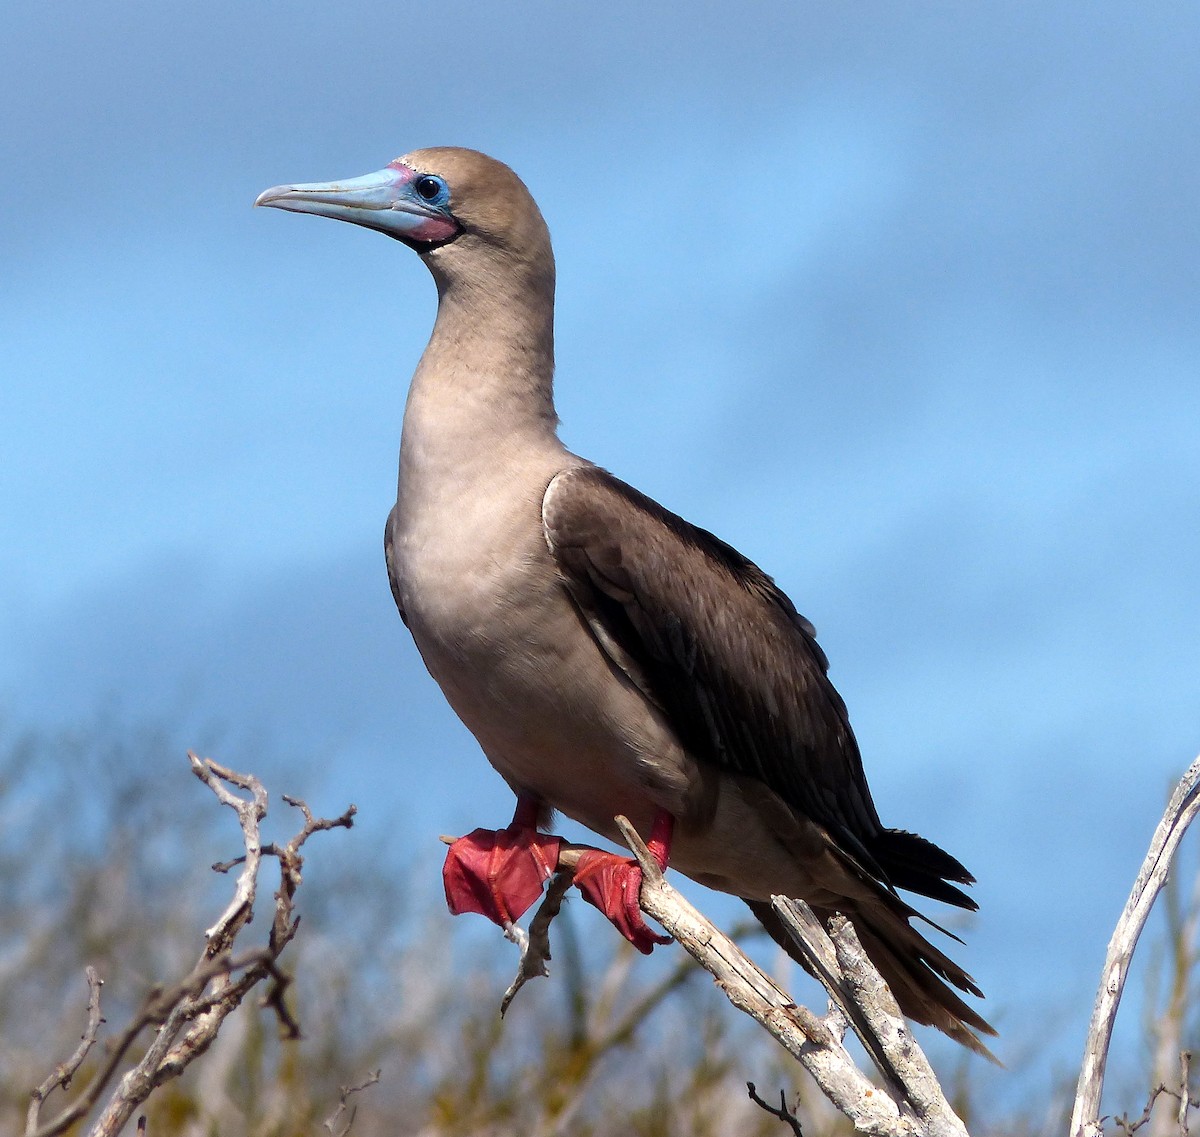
{"x":463,"y":212}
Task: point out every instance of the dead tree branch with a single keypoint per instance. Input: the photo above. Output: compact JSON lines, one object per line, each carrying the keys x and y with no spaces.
{"x":912,"y":1102}
{"x":781,"y":1111}
{"x":913,"y":1105}
{"x":339,"y":1122}
{"x":187,"y":1015}
{"x":62,"y":1074}
{"x":1180,"y":812}
{"x":535,"y":944}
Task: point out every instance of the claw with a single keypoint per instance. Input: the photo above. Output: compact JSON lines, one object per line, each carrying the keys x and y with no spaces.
{"x":613,"y":884}
{"x":499,"y":873}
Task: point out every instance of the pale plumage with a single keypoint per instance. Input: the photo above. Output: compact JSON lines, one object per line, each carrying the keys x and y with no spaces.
{"x":609,"y":656}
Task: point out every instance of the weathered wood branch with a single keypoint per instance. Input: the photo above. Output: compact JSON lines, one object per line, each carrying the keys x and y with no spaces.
{"x":187,"y":1015}
{"x":910,"y":1106}
{"x":1179,"y":814}
{"x":910,"y":1103}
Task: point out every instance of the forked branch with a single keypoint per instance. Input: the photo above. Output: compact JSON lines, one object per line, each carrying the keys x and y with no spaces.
{"x":188,"y":1014}
{"x":911,"y":1102}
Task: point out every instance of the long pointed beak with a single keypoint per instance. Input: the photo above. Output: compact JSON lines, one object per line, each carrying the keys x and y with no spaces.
{"x":384,"y":201}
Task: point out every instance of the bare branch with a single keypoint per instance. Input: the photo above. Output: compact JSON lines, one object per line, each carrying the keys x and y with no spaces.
{"x":913,"y":1103}
{"x":250,"y":812}
{"x":156,"y":1010}
{"x":783,"y":1113}
{"x":1185,"y":1060}
{"x":62,"y":1074}
{"x":821,"y":955}
{"x":812,"y":1042}
{"x":339,"y":1122}
{"x":319,"y":825}
{"x":188,"y":1015}
{"x":291,"y":863}
{"x":1179,"y":814}
{"x":289,"y":1028}
{"x":535,"y":948}
{"x":1184,"y":1103}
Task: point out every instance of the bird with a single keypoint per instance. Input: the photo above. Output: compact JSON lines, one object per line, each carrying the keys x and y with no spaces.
{"x":610,"y":657}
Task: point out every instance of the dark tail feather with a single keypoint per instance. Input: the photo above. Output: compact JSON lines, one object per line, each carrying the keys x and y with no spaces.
{"x":917,"y":865}
{"x":911,"y":966}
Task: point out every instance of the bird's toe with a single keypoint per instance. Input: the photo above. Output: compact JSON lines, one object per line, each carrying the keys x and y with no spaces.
{"x":613,"y":884}
{"x":499,"y":873}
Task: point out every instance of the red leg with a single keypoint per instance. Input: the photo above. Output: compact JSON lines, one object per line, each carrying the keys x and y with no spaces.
{"x":499,"y":873}
{"x":613,"y":884}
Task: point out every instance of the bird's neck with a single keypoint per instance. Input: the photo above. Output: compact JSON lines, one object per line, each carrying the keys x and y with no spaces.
{"x":481,"y":404}
{"x":488,"y":369}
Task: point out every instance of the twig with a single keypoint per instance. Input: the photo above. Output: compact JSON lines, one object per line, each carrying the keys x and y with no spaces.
{"x":1180,"y":811}
{"x":250,"y":811}
{"x":62,"y":1074}
{"x":783,"y":1113}
{"x":188,"y":1015}
{"x":320,"y":825}
{"x":535,"y":951}
{"x":1184,"y":1103}
{"x":1185,"y":1058}
{"x":334,"y":1122}
{"x":156,"y":1010}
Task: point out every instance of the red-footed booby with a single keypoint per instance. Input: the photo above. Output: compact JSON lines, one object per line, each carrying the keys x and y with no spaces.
{"x":610,"y":657}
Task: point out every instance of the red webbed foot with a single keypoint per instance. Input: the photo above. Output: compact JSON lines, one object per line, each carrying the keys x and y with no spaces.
{"x":499,"y":873}
{"x":614,"y":884}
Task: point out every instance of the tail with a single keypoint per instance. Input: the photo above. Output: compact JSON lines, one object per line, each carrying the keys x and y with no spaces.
{"x":921,"y":977}
{"x":917,"y":865}
{"x":918,"y":974}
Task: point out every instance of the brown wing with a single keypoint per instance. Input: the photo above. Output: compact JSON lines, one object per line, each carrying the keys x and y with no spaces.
{"x":712,"y":641}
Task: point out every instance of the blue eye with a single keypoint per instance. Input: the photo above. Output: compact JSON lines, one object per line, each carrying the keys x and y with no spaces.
{"x":432,"y":189}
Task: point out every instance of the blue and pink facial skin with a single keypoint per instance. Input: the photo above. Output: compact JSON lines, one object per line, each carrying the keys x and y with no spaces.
{"x":419,"y":188}
{"x":397,"y":200}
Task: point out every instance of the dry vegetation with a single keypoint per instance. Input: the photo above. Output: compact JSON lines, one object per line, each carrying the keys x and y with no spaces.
{"x":105,"y":848}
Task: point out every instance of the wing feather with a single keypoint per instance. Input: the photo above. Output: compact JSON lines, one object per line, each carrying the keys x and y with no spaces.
{"x":712,"y":641}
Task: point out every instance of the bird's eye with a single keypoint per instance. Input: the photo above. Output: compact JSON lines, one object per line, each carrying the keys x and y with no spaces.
{"x":430,"y":188}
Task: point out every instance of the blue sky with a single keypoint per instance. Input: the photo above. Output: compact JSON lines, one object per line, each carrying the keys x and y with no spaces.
{"x":900,"y":299}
